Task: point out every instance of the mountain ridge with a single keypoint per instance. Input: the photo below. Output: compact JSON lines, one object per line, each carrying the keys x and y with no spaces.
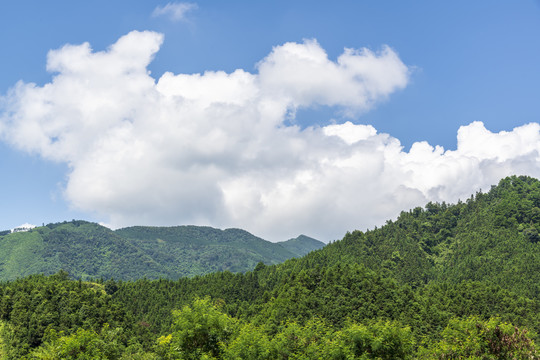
{"x":89,"y":250}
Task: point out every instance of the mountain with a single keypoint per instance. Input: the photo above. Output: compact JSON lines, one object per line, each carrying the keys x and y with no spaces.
{"x":302,"y":245}
{"x":491,"y":237}
{"x":88,"y":250}
{"x":205,"y":249}
{"x":83,"y":249}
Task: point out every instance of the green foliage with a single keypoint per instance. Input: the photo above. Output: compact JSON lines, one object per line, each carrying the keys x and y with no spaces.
{"x":20,"y":254}
{"x":83,"y":344}
{"x":251,"y":342}
{"x":89,"y":344}
{"x":200,"y":330}
{"x":471,"y":338}
{"x":301,"y":245}
{"x":38,"y":304}
{"x":380,"y":340}
{"x":87,"y":250}
{"x":337,"y":293}
{"x":492,"y":237}
{"x":442,"y":301}
{"x":205,"y":249}
{"x":314,"y":340}
{"x":5,"y":333}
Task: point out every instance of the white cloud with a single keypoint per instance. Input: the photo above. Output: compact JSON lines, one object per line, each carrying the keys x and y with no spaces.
{"x":302,"y":75}
{"x":23,"y":227}
{"x":215,"y":148}
{"x":176,"y":11}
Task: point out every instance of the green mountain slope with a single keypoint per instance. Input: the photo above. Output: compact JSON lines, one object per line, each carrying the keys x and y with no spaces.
{"x":491,"y":237}
{"x":21,"y":254}
{"x":88,"y":250}
{"x":302,"y":245}
{"x":205,"y":249}
{"x":83,"y":249}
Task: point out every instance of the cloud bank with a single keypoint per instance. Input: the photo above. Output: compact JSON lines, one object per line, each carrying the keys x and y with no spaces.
{"x":217,"y":148}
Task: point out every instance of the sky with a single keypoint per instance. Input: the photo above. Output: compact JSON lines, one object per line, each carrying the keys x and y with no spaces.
{"x":281,"y":118}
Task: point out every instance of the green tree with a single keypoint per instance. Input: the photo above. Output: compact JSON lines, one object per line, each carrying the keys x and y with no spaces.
{"x":250,"y":343}
{"x":472,"y":338}
{"x":315,"y":340}
{"x":198,"y":331}
{"x":380,"y":340}
{"x":83,"y":344}
{"x":4,"y":331}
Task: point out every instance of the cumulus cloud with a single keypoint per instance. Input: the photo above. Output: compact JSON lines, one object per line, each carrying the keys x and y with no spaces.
{"x":301,"y":75}
{"x":175,"y":11}
{"x":216,"y":148}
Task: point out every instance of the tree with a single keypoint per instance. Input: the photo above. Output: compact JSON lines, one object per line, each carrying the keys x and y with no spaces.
{"x":83,"y":344}
{"x":315,"y":340}
{"x":380,"y":340}
{"x":198,"y":331}
{"x":250,"y":343}
{"x":472,"y":338}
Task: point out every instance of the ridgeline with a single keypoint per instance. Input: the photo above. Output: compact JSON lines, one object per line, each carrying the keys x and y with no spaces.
{"x":90,"y":251}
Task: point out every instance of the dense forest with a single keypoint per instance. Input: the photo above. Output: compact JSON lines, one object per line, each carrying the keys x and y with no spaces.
{"x":458,"y":281}
{"x":88,"y":250}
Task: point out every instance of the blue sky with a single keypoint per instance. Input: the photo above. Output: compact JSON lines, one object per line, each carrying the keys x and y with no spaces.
{"x":465,"y":62}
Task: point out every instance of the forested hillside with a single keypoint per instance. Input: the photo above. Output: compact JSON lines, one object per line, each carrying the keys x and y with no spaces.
{"x":88,"y":250}
{"x":301,"y":245}
{"x":446,"y":281}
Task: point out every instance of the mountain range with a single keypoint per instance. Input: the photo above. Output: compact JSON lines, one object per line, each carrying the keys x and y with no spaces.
{"x":88,"y":250}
